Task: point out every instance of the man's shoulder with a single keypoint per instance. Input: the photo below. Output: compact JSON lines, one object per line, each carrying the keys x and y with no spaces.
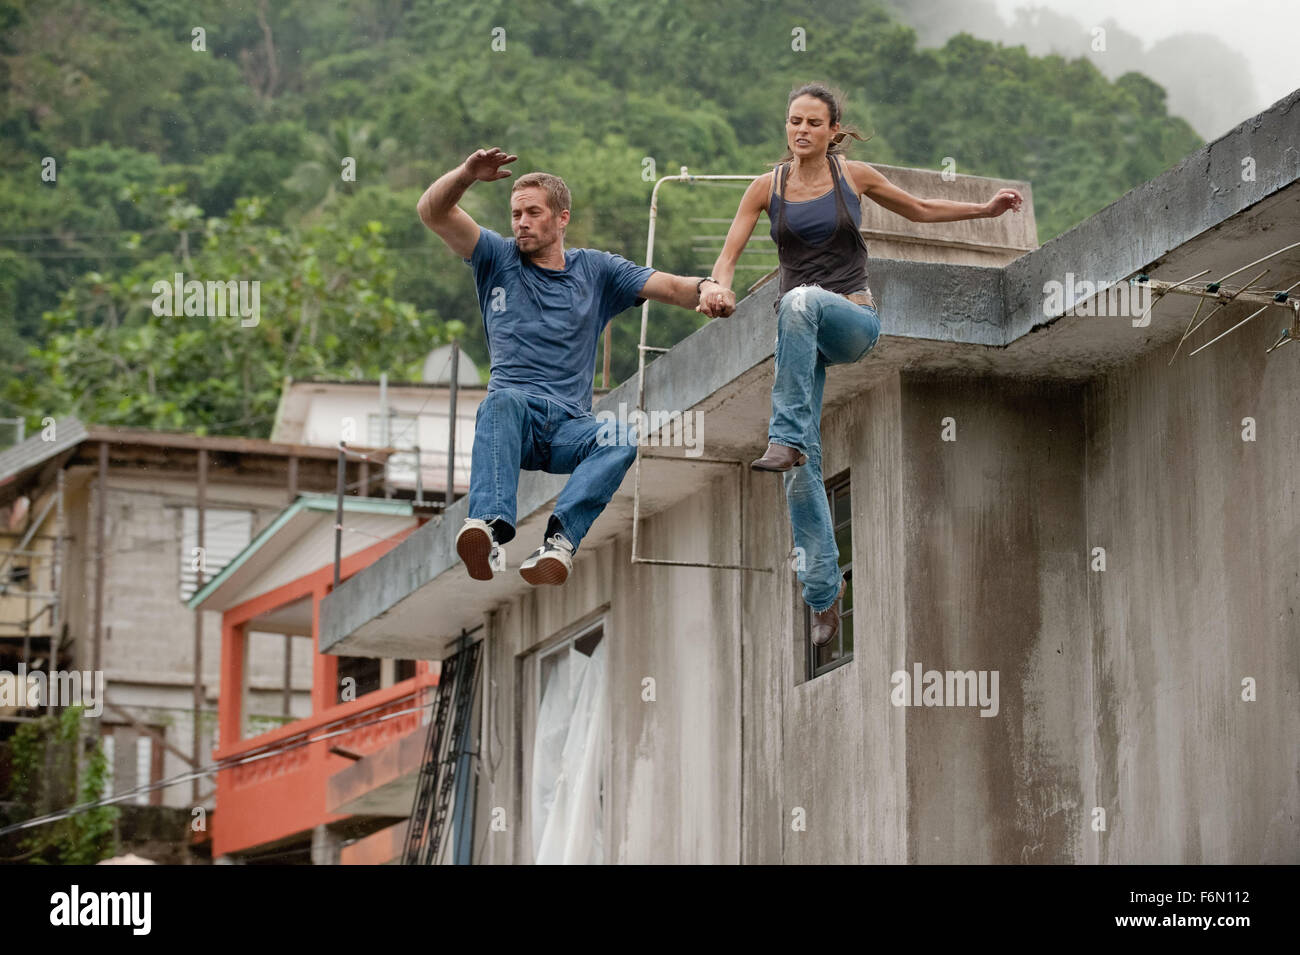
{"x":494,"y":244}
{"x":602,"y":260}
{"x":589,"y":255}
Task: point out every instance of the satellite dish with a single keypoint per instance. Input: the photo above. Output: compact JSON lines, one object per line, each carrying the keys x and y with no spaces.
{"x":437,"y":369}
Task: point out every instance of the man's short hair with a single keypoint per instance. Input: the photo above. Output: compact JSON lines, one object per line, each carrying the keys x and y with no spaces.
{"x":557,"y":193}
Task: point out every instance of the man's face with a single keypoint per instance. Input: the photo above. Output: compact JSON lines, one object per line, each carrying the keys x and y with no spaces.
{"x":534,"y":224}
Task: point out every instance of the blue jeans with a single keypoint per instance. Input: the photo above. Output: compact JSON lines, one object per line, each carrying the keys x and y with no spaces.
{"x":815,"y":328}
{"x":514,"y":430}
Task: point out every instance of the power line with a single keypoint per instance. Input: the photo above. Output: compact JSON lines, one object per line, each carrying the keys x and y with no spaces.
{"x":208,"y":770}
{"x":50,"y":236}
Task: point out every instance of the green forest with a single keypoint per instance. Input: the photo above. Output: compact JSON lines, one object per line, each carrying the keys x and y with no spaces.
{"x":144,"y":139}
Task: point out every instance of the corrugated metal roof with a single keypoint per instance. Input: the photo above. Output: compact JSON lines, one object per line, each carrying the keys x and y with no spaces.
{"x":322,"y":503}
{"x":35,"y":451}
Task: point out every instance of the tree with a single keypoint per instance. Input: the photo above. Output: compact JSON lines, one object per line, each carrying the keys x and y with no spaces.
{"x":117,"y":352}
{"x":55,"y":767}
{"x":319,"y":178}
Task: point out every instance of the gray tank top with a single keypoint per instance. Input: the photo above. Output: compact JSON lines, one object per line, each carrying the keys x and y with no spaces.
{"x":839,"y":263}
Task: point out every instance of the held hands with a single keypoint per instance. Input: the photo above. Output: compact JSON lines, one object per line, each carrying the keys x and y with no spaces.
{"x":1006,"y":199}
{"x":716,"y":301}
{"x":485,"y":164}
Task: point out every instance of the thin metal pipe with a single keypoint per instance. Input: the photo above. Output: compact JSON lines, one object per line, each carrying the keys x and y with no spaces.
{"x":27,"y":537}
{"x":56,"y":576}
{"x":451,"y":428}
{"x":419,"y":476}
{"x":683,"y":176}
{"x":201,"y":500}
{"x":338,"y":513}
{"x":386,"y":440}
{"x":690,"y":563}
{"x":100,"y":517}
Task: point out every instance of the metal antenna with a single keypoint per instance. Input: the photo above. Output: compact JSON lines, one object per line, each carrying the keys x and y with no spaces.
{"x":1225,"y":297}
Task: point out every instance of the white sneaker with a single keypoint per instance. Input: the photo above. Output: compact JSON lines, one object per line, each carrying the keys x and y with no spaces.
{"x":550,"y":563}
{"x":479,"y":549}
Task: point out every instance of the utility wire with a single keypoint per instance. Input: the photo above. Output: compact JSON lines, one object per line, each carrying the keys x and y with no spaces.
{"x":208,"y":770}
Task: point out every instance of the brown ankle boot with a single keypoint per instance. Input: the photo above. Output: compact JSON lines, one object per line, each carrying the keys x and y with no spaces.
{"x":827,"y":623}
{"x":779,"y":458}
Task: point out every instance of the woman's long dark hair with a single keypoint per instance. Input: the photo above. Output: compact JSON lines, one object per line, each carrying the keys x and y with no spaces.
{"x":834,"y":101}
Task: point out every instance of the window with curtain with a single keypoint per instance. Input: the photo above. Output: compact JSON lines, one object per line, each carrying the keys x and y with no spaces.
{"x":565,"y":765}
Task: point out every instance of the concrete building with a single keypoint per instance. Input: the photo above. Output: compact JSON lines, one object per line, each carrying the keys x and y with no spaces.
{"x":413,"y":417}
{"x":271,"y":794}
{"x":138,"y":626}
{"x":1075,"y":505}
{"x":111,"y":520}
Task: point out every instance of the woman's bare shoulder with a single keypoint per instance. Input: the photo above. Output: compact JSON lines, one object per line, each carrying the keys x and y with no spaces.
{"x":761,"y":190}
{"x":863,"y":175}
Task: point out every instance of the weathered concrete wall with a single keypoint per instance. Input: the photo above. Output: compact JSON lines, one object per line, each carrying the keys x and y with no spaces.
{"x":673,"y":787}
{"x":995,"y":581}
{"x":675,"y":782}
{"x":830,"y":749}
{"x":732,"y":704}
{"x":1117,"y":689}
{"x":1201,"y":590}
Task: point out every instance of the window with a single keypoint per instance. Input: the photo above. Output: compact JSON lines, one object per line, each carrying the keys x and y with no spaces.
{"x":364,"y":670}
{"x":226,"y":532}
{"x":133,"y":761}
{"x":840,"y":650}
{"x":403,"y":432}
{"x":565,"y":750}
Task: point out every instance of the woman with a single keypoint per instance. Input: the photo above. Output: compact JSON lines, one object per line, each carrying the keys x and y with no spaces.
{"x":825,"y":312}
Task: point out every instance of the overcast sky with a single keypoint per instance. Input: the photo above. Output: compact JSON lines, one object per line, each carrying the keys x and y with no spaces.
{"x":1210,"y":56}
{"x":1247,"y":26}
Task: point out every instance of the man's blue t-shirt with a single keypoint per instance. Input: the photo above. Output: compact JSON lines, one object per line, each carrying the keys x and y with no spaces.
{"x":543,"y":325}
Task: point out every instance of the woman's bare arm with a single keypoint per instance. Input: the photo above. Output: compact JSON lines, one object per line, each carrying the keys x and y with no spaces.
{"x":752,"y":203}
{"x":871,"y":183}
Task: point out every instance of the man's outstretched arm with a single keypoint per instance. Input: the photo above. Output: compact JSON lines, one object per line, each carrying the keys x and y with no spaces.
{"x":438,"y":207}
{"x":680,"y":290}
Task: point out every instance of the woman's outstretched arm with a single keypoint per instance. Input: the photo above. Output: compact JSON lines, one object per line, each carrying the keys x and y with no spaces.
{"x":871,"y":183}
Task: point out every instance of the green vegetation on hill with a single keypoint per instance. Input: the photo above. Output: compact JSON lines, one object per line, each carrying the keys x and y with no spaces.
{"x":223,"y":164}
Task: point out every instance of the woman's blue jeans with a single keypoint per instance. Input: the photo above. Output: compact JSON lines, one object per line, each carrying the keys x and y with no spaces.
{"x":814,"y":328}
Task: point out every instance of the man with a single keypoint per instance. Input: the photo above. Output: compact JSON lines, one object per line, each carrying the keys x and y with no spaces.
{"x":544,"y":308}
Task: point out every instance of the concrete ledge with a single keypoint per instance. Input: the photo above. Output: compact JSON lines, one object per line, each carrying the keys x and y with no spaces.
{"x":380,"y":784}
{"x":1150,"y":221}
{"x":384,"y":847}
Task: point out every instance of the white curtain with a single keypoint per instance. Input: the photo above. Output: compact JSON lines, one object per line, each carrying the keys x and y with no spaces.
{"x":569,"y":762}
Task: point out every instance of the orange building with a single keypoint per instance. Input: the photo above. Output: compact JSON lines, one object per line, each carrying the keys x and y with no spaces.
{"x":271,"y":794}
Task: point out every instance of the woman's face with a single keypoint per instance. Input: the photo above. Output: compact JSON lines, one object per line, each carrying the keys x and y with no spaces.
{"x":808,"y":128}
